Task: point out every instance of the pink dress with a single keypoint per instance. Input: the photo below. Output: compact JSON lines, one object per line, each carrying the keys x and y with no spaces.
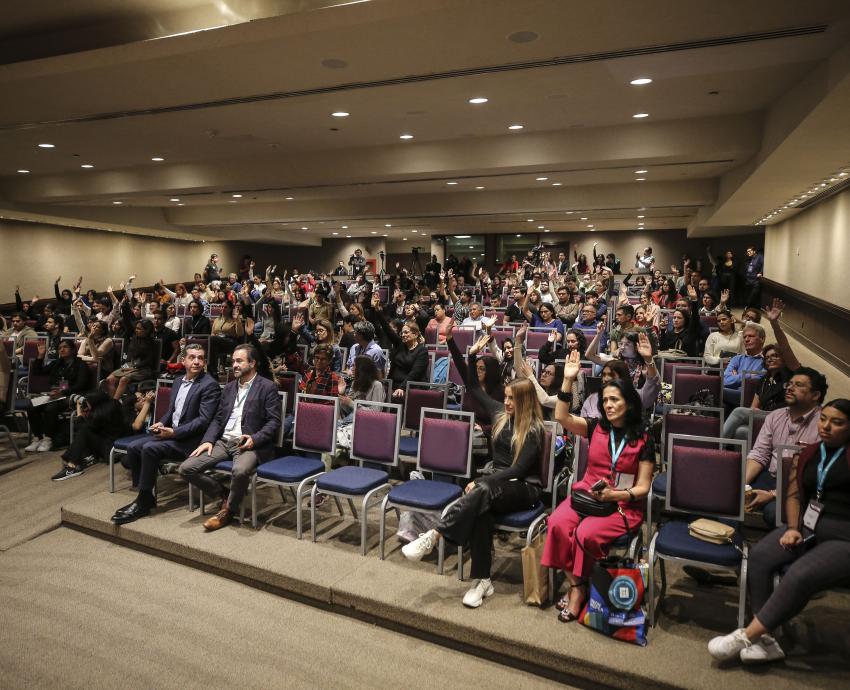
{"x":566,"y":527}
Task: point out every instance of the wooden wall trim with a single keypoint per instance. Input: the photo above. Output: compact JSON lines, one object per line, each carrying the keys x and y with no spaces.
{"x":772,"y":286}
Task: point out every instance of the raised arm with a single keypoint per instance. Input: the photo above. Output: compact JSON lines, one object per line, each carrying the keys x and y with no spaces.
{"x":570,"y":422}
{"x":782,"y":343}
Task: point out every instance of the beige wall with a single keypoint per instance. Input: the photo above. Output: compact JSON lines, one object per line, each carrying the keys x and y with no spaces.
{"x":35,"y":255}
{"x":809,"y":251}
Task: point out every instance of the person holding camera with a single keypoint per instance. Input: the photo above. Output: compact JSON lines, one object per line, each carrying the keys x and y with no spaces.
{"x":194,"y":401}
{"x":357,"y":262}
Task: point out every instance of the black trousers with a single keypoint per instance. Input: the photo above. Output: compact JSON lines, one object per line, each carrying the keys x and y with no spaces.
{"x":812,"y":570}
{"x":88,"y":441}
{"x":146,"y":455}
{"x":44,"y":419}
{"x":752,"y":295}
{"x":471,"y":521}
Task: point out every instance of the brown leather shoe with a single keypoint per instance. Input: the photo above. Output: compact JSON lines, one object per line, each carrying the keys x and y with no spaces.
{"x":221,"y":519}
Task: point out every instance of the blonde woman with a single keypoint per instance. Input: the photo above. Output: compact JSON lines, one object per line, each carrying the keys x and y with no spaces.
{"x":515,"y":485}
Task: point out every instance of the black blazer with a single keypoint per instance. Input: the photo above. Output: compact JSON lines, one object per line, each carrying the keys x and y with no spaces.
{"x":199,"y":408}
{"x":260,"y":415}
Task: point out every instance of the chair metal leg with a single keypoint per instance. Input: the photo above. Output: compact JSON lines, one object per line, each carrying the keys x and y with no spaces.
{"x":339,"y":506}
{"x":112,"y":470}
{"x":441,"y":556}
{"x":352,"y":508}
{"x":651,"y":581}
{"x":364,"y":515}
{"x":313,"y":512}
{"x":5,"y":430}
{"x":460,"y":563}
{"x":191,"y":498}
{"x":283,"y":493}
{"x":382,"y":525}
{"x":254,"y":501}
{"x":742,"y":586}
{"x":299,"y":504}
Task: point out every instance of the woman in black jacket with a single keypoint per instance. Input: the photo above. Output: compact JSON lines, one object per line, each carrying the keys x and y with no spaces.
{"x":686,"y":328}
{"x":517,"y":444}
{"x":142,"y":360}
{"x":408,"y":357}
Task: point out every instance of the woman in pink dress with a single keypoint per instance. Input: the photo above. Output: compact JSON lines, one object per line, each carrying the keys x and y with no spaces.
{"x":620,"y":462}
{"x":441,"y":323}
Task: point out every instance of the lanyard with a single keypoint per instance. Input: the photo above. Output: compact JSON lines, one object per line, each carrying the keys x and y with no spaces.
{"x":823,"y":471}
{"x":615,"y":454}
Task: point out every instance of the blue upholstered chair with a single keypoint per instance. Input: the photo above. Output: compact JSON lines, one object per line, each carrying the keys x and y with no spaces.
{"x":374,"y":440}
{"x":445,"y":449}
{"x":702,"y":482}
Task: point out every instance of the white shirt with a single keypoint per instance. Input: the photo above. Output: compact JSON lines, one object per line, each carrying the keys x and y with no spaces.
{"x":180,"y":401}
{"x":233,"y":428}
{"x":475,"y":323}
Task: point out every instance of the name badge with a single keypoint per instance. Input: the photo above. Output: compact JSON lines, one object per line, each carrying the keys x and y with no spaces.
{"x":624,"y":481}
{"x":812,"y":515}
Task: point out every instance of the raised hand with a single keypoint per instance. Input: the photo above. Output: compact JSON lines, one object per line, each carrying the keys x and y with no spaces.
{"x":479,"y":344}
{"x":775,"y":311}
{"x":58,"y":279}
{"x":572,"y":367}
{"x":340,"y":386}
{"x":109,"y":288}
{"x":520,"y":334}
{"x":129,"y":280}
{"x":298,"y":321}
{"x":692,"y":293}
{"x":724,"y":296}
{"x":644,"y":347}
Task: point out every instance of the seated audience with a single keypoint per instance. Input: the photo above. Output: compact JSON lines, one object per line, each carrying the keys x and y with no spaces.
{"x":364,"y":343}
{"x":724,"y":342}
{"x":749,"y":364}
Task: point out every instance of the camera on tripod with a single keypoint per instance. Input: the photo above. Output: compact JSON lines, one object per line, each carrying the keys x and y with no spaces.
{"x":415,"y":250}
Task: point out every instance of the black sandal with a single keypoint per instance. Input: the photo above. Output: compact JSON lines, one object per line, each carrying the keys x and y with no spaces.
{"x":565,"y":615}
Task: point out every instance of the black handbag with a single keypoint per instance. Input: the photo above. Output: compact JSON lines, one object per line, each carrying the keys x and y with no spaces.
{"x":585,"y":504}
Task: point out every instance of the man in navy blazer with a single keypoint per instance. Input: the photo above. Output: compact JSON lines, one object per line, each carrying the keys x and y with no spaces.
{"x":243,"y":430}
{"x":194,"y":401}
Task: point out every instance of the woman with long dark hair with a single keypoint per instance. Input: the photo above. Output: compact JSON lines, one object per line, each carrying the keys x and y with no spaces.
{"x":814,"y":548}
{"x":142,"y":360}
{"x":620,"y":461}
{"x":517,"y":444}
{"x":366,"y":384}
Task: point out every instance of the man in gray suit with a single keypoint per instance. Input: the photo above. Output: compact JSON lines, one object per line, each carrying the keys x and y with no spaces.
{"x":243,"y":430}
{"x":194,"y":401}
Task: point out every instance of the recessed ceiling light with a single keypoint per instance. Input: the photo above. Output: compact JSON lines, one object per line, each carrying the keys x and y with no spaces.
{"x":640,"y":81}
{"x":477,"y":101}
{"x":349,"y":236}
{"x":117,"y":203}
{"x":529,"y":220}
{"x":86,"y":166}
{"x":515,"y":127}
{"x":641,"y":216}
{"x":290,"y":198}
{"x":174,"y":198}
{"x":556,"y":184}
{"x":640,"y":172}
{"x":479,"y":187}
{"x":304,"y":227}
{"x":519,"y":235}
{"x":374,"y":232}
{"x":471,"y":246}
{"x":569,"y":213}
{"x":236,"y":196}
{"x":590,"y":225}
{"x":462,"y":237}
{"x":46,"y":146}
{"x":345,"y":227}
{"x":640,"y":179}
{"x":385,"y":235}
{"x":23,"y":171}
{"x":592,"y":229}
{"x":424,"y":234}
{"x":406,"y":136}
{"x":546,"y":230}
{"x":340,"y":113}
{"x":158,"y":159}
{"x":541,"y":179}
{"x":638,"y":116}
{"x":181,"y":204}
{"x":387,"y":225}
{"x":334,"y":233}
{"x":584,"y":218}
{"x":414,"y":231}
{"x":451,"y":183}
{"x":540,"y":227}
{"x":232,"y":201}
{"x":404,"y":238}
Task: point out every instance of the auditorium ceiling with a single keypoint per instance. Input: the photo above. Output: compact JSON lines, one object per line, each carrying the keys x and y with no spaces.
{"x":291,"y":121}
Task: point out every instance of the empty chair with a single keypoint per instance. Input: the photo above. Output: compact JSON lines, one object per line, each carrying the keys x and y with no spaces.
{"x":669,"y":365}
{"x":703,"y":482}
{"x":445,"y":449}
{"x":464,"y":337}
{"x":416,"y":396}
{"x":536,"y":338}
{"x":687,"y":383}
{"x":314,"y":432}
{"x":374,"y":440}
{"x":161,"y":399}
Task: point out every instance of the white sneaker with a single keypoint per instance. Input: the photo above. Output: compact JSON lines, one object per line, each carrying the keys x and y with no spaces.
{"x":33,"y":447}
{"x":729,"y":646}
{"x":45,"y":445}
{"x":419,"y":548}
{"x":478,"y":593}
{"x":763,"y":650}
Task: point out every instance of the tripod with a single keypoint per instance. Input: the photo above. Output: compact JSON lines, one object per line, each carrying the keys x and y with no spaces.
{"x":415,"y":265}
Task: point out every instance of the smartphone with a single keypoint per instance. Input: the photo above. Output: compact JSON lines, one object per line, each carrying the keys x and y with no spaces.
{"x":598,"y":486}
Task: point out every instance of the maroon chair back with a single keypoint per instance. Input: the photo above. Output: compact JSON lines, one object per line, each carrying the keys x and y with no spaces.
{"x":686,"y":384}
{"x":502,"y":333}
{"x":216,"y":310}
{"x":708,"y":321}
{"x":375,"y":433}
{"x":464,"y":337}
{"x":202,"y":340}
{"x":288,"y":383}
{"x":454,"y":375}
{"x":706,"y":481}
{"x":748,"y":391}
{"x":669,"y":365}
{"x":758,"y":423}
{"x":31,"y":349}
{"x":445,"y":445}
{"x":581,"y":451}
{"x":431,"y":335}
{"x":418,"y":398}
{"x":162,"y":399}
{"x":37,"y":383}
{"x":10,"y":348}
{"x":692,"y":425}
{"x":536,"y":338}
{"x":315,"y":424}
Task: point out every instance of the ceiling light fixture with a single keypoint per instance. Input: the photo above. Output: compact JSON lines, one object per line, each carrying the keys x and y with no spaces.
{"x":640,"y":179}
{"x":387,"y":225}
{"x":451,"y":183}
{"x":334,"y":233}
{"x":471,"y":246}
{"x":641,"y":216}
{"x":515,"y":127}
{"x":117,"y":203}
{"x":348,"y":236}
{"x":340,"y":113}
{"x":406,"y":136}
{"x":157,"y":159}
{"x":639,"y":116}
{"x":24,"y":171}
{"x":541,"y":179}
{"x":174,"y":198}
{"x":47,"y":146}
{"x":479,"y":187}
{"x":583,"y":218}
{"x":556,"y":184}
{"x":290,"y":198}
{"x":345,"y":227}
{"x":181,"y":204}
{"x":640,"y":81}
{"x":640,"y":172}
{"x":519,"y":235}
{"x":304,"y":227}
{"x":478,"y":101}
{"x":374,"y":232}
{"x":87,"y":166}
{"x":462,"y":237}
{"x":546,"y":230}
{"x":540,"y":227}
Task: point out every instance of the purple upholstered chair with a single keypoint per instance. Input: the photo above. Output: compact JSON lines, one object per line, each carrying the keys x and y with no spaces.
{"x":287,"y":381}
{"x":374,"y":440}
{"x":536,"y":338}
{"x":687,"y":382}
{"x":316,"y":418}
{"x":502,"y":333}
{"x":445,"y":448}
{"x":416,"y":396}
{"x":670,"y":364}
{"x":464,"y":337}
{"x":703,"y":482}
